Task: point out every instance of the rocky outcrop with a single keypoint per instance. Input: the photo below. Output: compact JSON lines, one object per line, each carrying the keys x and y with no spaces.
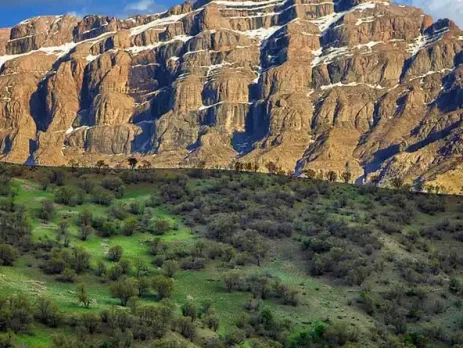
{"x":367,"y":86}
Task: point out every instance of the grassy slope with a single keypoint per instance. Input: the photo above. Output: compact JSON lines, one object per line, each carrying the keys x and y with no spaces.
{"x":320,"y":300}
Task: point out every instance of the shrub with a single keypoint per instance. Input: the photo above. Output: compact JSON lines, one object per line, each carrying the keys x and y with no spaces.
{"x":232,"y":281}
{"x":456,"y":286}
{"x":234,"y":338}
{"x":170,"y":267}
{"x":47,"y":312}
{"x":117,"y":212}
{"x":8,"y":255}
{"x":137,"y":208}
{"x":189,"y":309}
{"x":90,"y":321}
{"x":112,"y":183}
{"x":85,"y":232}
{"x":186,"y":328}
{"x":124,"y":290}
{"x":69,"y":196}
{"x":7,"y":339}
{"x":55,"y":265}
{"x":130,"y":227}
{"x":115,"y":272}
{"x":57,"y":177}
{"x":102,"y":197}
{"x":68,"y":276}
{"x":193,"y":263}
{"x":101,"y":268}
{"x":212,"y":322}
{"x":85,"y":218}
{"x":339,"y":334}
{"x":164,"y":286}
{"x":431,"y":205}
{"x":46,"y":211}
{"x":115,"y":253}
{"x":81,"y":260}
{"x":82,"y":295}
{"x":143,"y":286}
{"x":161,"y":226}
{"x":15,"y":313}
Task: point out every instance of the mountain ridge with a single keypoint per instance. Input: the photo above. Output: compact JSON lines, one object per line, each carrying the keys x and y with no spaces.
{"x":324,"y":85}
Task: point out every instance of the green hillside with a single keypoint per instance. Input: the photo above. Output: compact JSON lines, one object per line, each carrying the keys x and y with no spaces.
{"x":185,"y":258}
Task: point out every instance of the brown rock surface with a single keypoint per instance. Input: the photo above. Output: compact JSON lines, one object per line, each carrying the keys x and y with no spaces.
{"x":317,"y":84}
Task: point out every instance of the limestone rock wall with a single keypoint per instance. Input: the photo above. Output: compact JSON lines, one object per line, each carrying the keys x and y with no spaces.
{"x":307,"y":84}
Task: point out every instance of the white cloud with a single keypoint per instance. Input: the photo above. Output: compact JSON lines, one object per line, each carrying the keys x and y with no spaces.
{"x":142,"y":6}
{"x":452,"y":9}
{"x":78,"y":14}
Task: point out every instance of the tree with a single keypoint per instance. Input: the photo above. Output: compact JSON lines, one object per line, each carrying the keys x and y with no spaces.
{"x":7,"y":340}
{"x":115,"y":272}
{"x":232,"y":280}
{"x":73,"y":164}
{"x":126,"y":266}
{"x":100,"y":164}
{"x":456,"y":286}
{"x":100,"y":268}
{"x":163,"y":285}
{"x":201,"y":165}
{"x":212,"y":322}
{"x":375,"y":180}
{"x":189,"y":309}
{"x":272,"y":167}
{"x":140,"y":266}
{"x":161,"y":226}
{"x":310,"y":174}
{"x":15,"y":313}
{"x":170,"y":267}
{"x":332,"y":176}
{"x":85,"y":218}
{"x":67,"y":276}
{"x":91,"y":322}
{"x":47,"y":312}
{"x":234,"y":338}
{"x":63,"y":234}
{"x":186,"y":328}
{"x":132,"y":162}
{"x":124,"y":289}
{"x":46,"y":210}
{"x":82,"y":295}
{"x":143,"y":286}
{"x":397,"y":182}
{"x":44,"y":183}
{"x":85,"y":232}
{"x":130,"y":227}
{"x":146,"y":164}
{"x":115,"y":253}
{"x":239,"y":166}
{"x":8,"y":255}
{"x":87,"y":184}
{"x":346,"y":177}
{"x":419,"y":186}
{"x":81,"y":260}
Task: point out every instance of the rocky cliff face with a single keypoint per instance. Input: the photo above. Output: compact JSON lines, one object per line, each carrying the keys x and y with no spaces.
{"x":307,"y":84}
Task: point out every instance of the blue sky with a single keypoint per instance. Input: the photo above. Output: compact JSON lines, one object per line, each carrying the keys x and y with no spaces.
{"x":14,"y":11}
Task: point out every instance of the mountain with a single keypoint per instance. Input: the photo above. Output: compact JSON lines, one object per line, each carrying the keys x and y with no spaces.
{"x":306,"y":84}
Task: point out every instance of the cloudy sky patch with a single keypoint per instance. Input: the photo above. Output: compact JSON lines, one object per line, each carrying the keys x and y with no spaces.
{"x":14,"y":11}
